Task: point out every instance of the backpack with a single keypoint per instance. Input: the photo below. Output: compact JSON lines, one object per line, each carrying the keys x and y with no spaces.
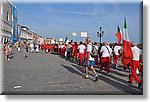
{"x":69,"y":48}
{"x":93,"y":52}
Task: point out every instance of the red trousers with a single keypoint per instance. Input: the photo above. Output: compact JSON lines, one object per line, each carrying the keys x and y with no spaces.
{"x":105,"y":62}
{"x":96,"y":60}
{"x":81,"y":56}
{"x":133,"y":75}
{"x":63,"y":52}
{"x":116,"y":57}
{"x":75,"y":54}
{"x":141,"y":68}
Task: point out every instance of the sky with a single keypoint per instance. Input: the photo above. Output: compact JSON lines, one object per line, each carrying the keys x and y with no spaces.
{"x":56,"y":20}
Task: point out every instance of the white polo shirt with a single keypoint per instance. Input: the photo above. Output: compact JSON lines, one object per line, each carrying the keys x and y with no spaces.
{"x":62,"y":46}
{"x":105,"y":52}
{"x":59,"y":46}
{"x":89,"y":49}
{"x":136,"y":53}
{"x":96,"y":47}
{"x":31,"y":45}
{"x":116,"y":49}
{"x":81,"y":48}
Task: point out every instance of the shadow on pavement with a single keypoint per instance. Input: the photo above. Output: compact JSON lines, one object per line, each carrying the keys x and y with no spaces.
{"x":125,"y":88}
{"x":117,"y":73}
{"x":118,"y":79}
{"x":72,"y":70}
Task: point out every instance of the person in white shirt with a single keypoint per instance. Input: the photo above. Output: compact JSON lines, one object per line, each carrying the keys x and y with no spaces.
{"x":63,"y":50}
{"x":81,"y":48}
{"x":96,"y":57}
{"x":116,"y":55}
{"x":32,"y":47}
{"x":37,"y":48}
{"x":89,"y":60}
{"x":59,"y":49}
{"x":135,"y":64}
{"x":19,"y":47}
{"x":105,"y":57}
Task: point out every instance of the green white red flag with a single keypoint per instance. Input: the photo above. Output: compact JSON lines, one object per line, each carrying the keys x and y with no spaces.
{"x":127,"y":54}
{"x":66,"y":40}
{"x":119,"y":35}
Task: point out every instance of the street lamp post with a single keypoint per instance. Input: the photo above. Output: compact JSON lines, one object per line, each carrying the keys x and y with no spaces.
{"x":100,"y":34}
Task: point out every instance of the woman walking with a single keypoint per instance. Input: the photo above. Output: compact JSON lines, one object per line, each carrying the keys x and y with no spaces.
{"x":25,"y":49}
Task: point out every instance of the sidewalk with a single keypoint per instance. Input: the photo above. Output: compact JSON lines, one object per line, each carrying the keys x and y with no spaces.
{"x":45,"y":73}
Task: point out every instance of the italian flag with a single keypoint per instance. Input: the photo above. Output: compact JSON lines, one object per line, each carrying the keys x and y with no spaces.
{"x":119,"y":35}
{"x":66,"y":40}
{"x":127,"y":52}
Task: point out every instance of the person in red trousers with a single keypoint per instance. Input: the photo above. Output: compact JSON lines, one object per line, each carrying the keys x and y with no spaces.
{"x":105,"y":57}
{"x":96,"y":57}
{"x":135,"y":64}
{"x":116,"y":55}
{"x":81,"y":49}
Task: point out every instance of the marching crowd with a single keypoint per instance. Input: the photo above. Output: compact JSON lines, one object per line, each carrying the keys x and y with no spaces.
{"x":87,"y":54}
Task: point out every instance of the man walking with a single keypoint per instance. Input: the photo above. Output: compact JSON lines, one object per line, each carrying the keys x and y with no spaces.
{"x":135,"y":64}
{"x":116,"y":55}
{"x":69,"y":50}
{"x":89,"y":60}
{"x":105,"y":57}
{"x":6,"y":52}
{"x":96,"y":57}
{"x":81,"y":48}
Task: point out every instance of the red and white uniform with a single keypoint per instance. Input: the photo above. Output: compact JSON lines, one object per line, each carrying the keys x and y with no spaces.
{"x":105,"y":58}
{"x":135,"y":64}
{"x":81,"y":49}
{"x":75,"y":47}
{"x":59,"y":49}
{"x":63,"y":49}
{"x":96,"y":57}
{"x":116,"y":56}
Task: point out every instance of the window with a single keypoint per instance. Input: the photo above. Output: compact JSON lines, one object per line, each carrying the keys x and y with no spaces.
{"x":1,"y":8}
{"x":8,"y":17}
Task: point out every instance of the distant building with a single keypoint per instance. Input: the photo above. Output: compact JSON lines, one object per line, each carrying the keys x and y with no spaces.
{"x":5,"y":21}
{"x":8,"y":22}
{"x":10,"y":30}
{"x":25,"y":34}
{"x":49,"y":40}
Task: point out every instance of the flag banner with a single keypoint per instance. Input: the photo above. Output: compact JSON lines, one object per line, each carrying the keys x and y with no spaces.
{"x":74,"y":34}
{"x":127,"y":51}
{"x":66,"y":40}
{"x":119,"y":35}
{"x":60,"y":39}
{"x":83,"y":34}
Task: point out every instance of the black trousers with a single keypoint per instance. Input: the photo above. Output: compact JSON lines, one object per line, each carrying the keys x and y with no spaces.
{"x":68,"y":54}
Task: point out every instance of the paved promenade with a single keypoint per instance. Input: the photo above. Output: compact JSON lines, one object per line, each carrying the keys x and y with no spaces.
{"x":45,"y":73}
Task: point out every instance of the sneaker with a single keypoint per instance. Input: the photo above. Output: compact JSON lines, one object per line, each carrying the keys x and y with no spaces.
{"x":117,"y":65}
{"x":96,"y":79}
{"x":86,"y":77}
{"x":108,"y":74}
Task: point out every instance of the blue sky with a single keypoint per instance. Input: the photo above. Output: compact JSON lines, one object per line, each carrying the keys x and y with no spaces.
{"x":57,"y":20}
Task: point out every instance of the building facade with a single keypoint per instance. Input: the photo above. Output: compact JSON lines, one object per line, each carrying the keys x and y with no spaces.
{"x":5,"y":25}
{"x":8,"y":22}
{"x":25,"y":34}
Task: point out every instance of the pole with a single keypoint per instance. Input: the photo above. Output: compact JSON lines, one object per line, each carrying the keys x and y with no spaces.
{"x":99,"y":40}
